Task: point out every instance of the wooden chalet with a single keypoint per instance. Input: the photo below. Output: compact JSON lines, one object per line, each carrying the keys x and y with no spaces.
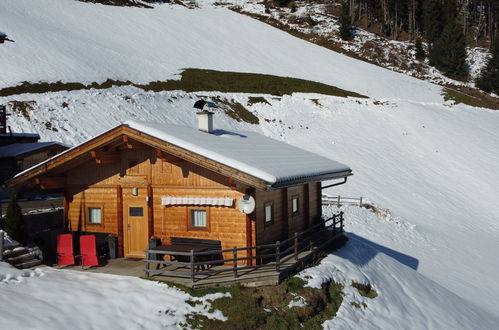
{"x":139,"y":180}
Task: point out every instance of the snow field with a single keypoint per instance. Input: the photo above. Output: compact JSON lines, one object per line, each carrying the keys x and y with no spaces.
{"x":74,"y":41}
{"x":47,"y":298}
{"x":427,"y":163}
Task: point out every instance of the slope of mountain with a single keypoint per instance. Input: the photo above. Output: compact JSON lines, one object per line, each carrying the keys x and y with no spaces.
{"x":432,"y":163}
{"x":73,"y":41}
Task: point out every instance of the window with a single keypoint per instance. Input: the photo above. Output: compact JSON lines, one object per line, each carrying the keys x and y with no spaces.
{"x":269,"y":213}
{"x":94,"y":215}
{"x":295,"y":204}
{"x":136,"y":211}
{"x":198,"y":219}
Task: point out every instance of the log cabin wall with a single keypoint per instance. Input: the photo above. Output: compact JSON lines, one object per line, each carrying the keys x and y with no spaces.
{"x":142,"y":175}
{"x":315,"y":193}
{"x":100,"y":197}
{"x":272,"y":231}
{"x":153,"y":174}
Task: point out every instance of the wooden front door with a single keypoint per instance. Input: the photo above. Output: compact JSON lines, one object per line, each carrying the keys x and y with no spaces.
{"x":135,"y":229}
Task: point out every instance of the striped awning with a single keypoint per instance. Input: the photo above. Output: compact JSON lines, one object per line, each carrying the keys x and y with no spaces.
{"x":182,"y":200}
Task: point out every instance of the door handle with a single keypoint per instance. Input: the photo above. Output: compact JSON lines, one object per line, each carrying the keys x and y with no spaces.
{"x":129,"y":226}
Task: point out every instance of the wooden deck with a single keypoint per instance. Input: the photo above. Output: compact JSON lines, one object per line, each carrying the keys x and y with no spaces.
{"x":262,"y":276}
{"x":281,"y":258}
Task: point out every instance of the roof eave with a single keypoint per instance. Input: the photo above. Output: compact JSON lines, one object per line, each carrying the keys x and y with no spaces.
{"x":310,"y":179}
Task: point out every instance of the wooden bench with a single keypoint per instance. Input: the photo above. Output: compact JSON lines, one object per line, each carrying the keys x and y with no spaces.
{"x":209,"y":244}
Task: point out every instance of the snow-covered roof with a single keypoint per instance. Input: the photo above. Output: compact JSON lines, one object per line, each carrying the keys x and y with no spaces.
{"x":272,"y":161}
{"x":17,"y":149}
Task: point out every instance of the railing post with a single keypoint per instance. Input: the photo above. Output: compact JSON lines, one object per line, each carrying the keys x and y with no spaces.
{"x":296,"y":246}
{"x":341,"y":221}
{"x":192,"y":266}
{"x":148,"y":266}
{"x":360,"y":201}
{"x":234,"y":263}
{"x":278,"y":256}
{"x":339,"y":200}
{"x":311,"y":245}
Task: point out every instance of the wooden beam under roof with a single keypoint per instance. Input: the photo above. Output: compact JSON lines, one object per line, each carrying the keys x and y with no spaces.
{"x":47,"y":183}
{"x":106,"y":157}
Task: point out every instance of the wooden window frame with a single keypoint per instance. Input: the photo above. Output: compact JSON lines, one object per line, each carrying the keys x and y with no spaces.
{"x":87,"y":214}
{"x":190,"y":227}
{"x":297,"y":212}
{"x":272,"y":213}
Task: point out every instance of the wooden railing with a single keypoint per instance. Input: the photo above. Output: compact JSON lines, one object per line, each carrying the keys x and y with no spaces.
{"x":341,"y":200}
{"x":192,"y":264}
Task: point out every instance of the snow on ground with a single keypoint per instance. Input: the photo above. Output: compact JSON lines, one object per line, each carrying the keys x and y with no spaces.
{"x":317,"y":19}
{"x":60,"y":299}
{"x":433,"y":165}
{"x":74,"y":41}
{"x":406,"y":299}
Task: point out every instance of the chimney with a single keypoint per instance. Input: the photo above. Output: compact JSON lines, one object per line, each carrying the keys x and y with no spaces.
{"x":205,"y":121}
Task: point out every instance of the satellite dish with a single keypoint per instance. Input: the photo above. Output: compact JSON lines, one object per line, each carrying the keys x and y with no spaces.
{"x":246,"y":204}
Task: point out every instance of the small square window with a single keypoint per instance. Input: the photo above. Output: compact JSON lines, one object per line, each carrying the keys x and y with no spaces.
{"x":198,"y":219}
{"x":94,"y":215}
{"x":295,"y":204}
{"x":269,"y":212}
{"x":136,"y":211}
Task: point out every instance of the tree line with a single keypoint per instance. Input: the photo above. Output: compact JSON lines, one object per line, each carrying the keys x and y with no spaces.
{"x":446,"y":26}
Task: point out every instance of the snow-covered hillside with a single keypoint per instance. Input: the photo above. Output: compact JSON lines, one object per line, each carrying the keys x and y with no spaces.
{"x":434,"y":165}
{"x":73,"y":41}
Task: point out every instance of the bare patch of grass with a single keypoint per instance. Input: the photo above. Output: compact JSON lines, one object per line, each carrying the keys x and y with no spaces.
{"x":365,"y":290}
{"x":470,"y":97}
{"x":256,"y":99}
{"x":196,"y":80}
{"x":23,"y":107}
{"x":248,"y":307}
{"x":236,"y":110}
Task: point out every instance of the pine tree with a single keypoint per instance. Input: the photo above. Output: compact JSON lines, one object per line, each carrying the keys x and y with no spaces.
{"x":14,"y":224}
{"x":420,"y":53}
{"x":488,"y":80}
{"x":345,"y":26}
{"x":432,"y":20}
{"x":449,"y":52}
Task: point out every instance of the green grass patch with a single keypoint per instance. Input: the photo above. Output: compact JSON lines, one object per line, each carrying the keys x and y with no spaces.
{"x":358,"y":305}
{"x":196,"y":80}
{"x":248,"y":307}
{"x":470,"y":97}
{"x":193,"y":80}
{"x":256,"y":99}
{"x":236,"y":110}
{"x":365,"y":290}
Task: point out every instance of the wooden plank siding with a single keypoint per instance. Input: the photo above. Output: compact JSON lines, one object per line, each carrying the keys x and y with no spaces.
{"x":143,"y":174}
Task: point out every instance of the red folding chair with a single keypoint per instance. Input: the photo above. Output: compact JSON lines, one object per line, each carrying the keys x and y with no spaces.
{"x":88,"y":251}
{"x":65,"y":255}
